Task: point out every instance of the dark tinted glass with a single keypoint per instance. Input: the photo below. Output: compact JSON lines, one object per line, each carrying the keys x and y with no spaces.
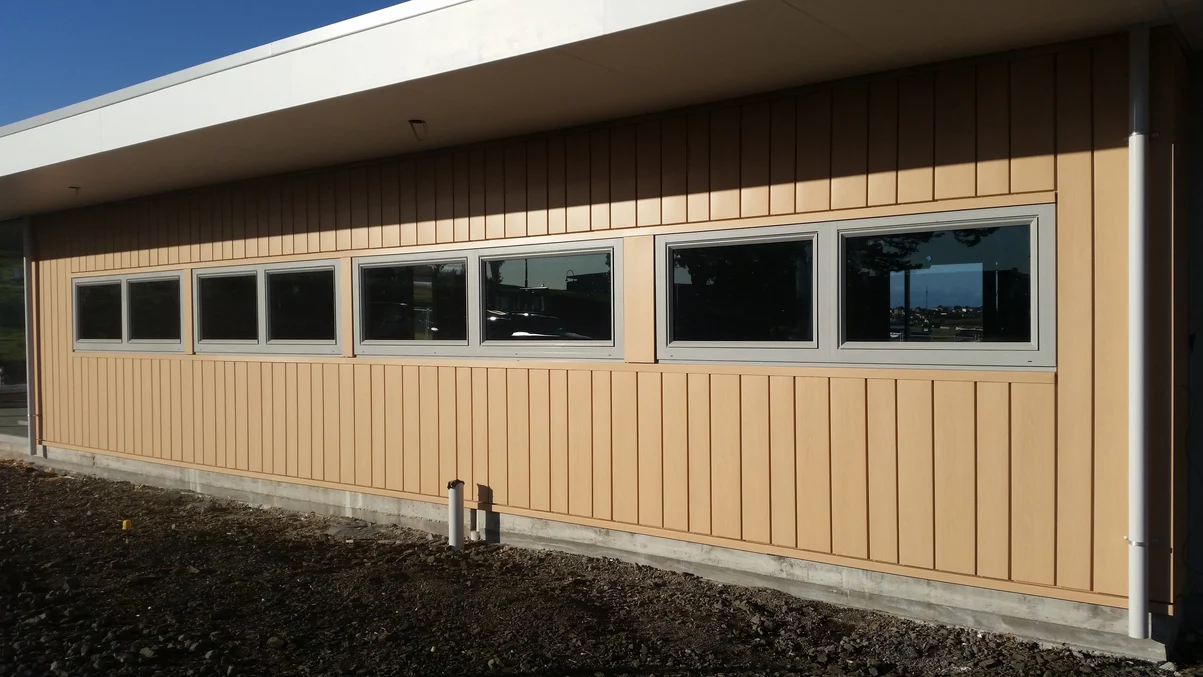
{"x":969,"y":285}
{"x":425,"y":302}
{"x":300,"y":306}
{"x":743,"y":292}
{"x":548,"y":298}
{"x":98,"y":311}
{"x":154,"y":310}
{"x":229,"y":308}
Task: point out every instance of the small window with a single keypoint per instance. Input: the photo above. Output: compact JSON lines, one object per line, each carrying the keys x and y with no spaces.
{"x":278,"y":308}
{"x":228,"y":306}
{"x":98,"y":311}
{"x":548,"y":298}
{"x":419,"y":302}
{"x":543,"y":301}
{"x":301,"y":306}
{"x":138,"y":312}
{"x":154,"y":310}
{"x":743,"y":292}
{"x":968,"y":285}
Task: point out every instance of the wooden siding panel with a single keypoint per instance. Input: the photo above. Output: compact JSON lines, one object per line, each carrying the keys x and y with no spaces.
{"x":955,"y":469}
{"x":882,"y":441}
{"x":697,"y":178}
{"x":379,"y":415}
{"x":444,"y":198}
{"x":994,"y":480}
{"x":956,"y":132}
{"x":916,"y":99}
{"x":726,"y":479}
{"x":536,"y":188}
{"x":674,"y":170}
{"x":624,"y":188}
{"x":411,"y":423}
{"x":849,"y":146}
{"x":518,"y":436}
{"x":331,"y":438}
{"x":813,"y":168}
{"x":813,"y":428}
{"x":783,"y":129}
{"x":625,"y":455}
{"x":580,"y":443}
{"x":347,"y":424}
{"x":755,"y":151}
{"x":480,"y":434}
{"x":515,"y":189}
{"x":755,"y":490}
{"x":603,"y":482}
{"x":649,"y":188}
{"x":540,"y":440}
{"x":675,"y":396}
{"x":1033,"y":483}
{"x":363,"y":406}
{"x":883,"y":143}
{"x":494,"y":192}
{"x":699,"y":453}
{"x":724,"y":163}
{"x":317,"y":421}
{"x":782,"y":462}
{"x":424,"y":175}
{"x":1032,"y":124}
{"x":498,"y":436}
{"x":428,"y":430}
{"x":461,"y":194}
{"x":1075,"y":316}
{"x":557,"y":214}
{"x":394,"y":437}
{"x":849,"y":469}
{"x":916,"y":502}
{"x":993,"y":128}
{"x":476,"y":194}
{"x":599,"y":179}
{"x":577,"y":184}
{"x":559,"y":441}
{"x":651,"y":452}
{"x":464,"y":433}
{"x":305,"y":415}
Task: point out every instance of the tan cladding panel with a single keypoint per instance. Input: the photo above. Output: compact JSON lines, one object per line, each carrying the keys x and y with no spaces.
{"x":1004,"y":479}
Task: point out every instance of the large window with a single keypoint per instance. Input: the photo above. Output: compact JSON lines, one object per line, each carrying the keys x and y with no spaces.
{"x":545,"y":301}
{"x":128,"y":312}
{"x":973,"y":288}
{"x":283,"y":308}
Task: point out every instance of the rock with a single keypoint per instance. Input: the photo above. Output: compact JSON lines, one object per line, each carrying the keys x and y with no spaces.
{"x":275,"y":643}
{"x":987,"y":663}
{"x":1169,"y":667}
{"x":148,"y":652}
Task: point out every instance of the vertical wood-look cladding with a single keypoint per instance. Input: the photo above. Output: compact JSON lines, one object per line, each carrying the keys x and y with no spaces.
{"x":1003,"y":478}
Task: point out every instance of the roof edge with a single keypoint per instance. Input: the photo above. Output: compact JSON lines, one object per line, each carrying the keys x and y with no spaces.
{"x":359,"y":24}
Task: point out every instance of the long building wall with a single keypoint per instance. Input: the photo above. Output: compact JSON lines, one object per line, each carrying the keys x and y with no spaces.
{"x":1014,"y":480}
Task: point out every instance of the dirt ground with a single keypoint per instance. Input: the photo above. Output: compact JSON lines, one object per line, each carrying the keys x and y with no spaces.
{"x":202,"y":587}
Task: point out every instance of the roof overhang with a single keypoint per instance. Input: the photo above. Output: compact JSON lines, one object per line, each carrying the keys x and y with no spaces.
{"x":483,"y":69}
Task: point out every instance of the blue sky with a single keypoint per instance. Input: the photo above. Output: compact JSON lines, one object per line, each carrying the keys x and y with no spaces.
{"x":57,"y":52}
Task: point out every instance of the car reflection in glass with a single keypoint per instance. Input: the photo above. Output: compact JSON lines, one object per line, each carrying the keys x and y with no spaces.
{"x":525,"y":324}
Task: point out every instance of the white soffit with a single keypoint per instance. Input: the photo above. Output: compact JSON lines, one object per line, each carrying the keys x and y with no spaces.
{"x":483,"y":69}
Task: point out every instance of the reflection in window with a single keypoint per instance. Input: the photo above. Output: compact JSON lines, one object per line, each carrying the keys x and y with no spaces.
{"x":971,"y":285}
{"x":229,"y":308}
{"x":98,"y":311}
{"x":300,"y":306}
{"x":154,"y":310}
{"x":421,"y":302}
{"x":548,"y":298}
{"x":742,"y":292}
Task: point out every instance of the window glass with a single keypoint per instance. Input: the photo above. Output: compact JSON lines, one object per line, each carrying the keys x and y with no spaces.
{"x":229,"y":308}
{"x":422,"y":302}
{"x":548,"y":298}
{"x":154,"y":310}
{"x":970,"y":285}
{"x":98,"y":311}
{"x":742,"y":292}
{"x":301,"y":306}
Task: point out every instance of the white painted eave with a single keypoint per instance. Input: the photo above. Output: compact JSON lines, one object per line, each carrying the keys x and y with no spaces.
{"x":482,"y":69}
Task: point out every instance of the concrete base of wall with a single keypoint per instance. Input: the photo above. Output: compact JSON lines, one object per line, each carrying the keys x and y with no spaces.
{"x":1087,"y":626}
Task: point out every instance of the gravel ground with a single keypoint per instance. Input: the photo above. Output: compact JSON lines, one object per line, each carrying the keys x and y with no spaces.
{"x":203,"y":587}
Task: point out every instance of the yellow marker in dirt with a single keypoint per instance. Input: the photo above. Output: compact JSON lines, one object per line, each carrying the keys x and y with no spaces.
{"x":126,"y":525}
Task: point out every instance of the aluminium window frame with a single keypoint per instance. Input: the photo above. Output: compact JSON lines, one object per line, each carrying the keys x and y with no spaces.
{"x":476,"y":346}
{"x":732,"y":351}
{"x":125,"y":343}
{"x":829,"y":266}
{"x":262,"y":344}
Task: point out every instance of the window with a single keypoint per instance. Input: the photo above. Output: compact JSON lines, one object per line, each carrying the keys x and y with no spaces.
{"x":972,"y":288}
{"x":128,"y":312}
{"x":98,"y":311}
{"x":969,"y":285}
{"x":415,"y":302}
{"x":548,"y":298}
{"x":154,"y":310}
{"x":282,"y":308}
{"x":544,"y":301}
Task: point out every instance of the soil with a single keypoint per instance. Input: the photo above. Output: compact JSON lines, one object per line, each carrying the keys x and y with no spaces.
{"x":203,"y":587}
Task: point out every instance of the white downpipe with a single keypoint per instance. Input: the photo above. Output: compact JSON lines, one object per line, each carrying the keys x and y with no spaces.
{"x":1138,"y":538}
{"x":455,"y":514}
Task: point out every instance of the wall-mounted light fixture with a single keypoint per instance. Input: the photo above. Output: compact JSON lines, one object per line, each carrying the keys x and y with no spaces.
{"x":419,"y":129}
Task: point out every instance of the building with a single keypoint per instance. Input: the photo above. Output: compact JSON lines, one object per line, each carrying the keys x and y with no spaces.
{"x":666,"y":280}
